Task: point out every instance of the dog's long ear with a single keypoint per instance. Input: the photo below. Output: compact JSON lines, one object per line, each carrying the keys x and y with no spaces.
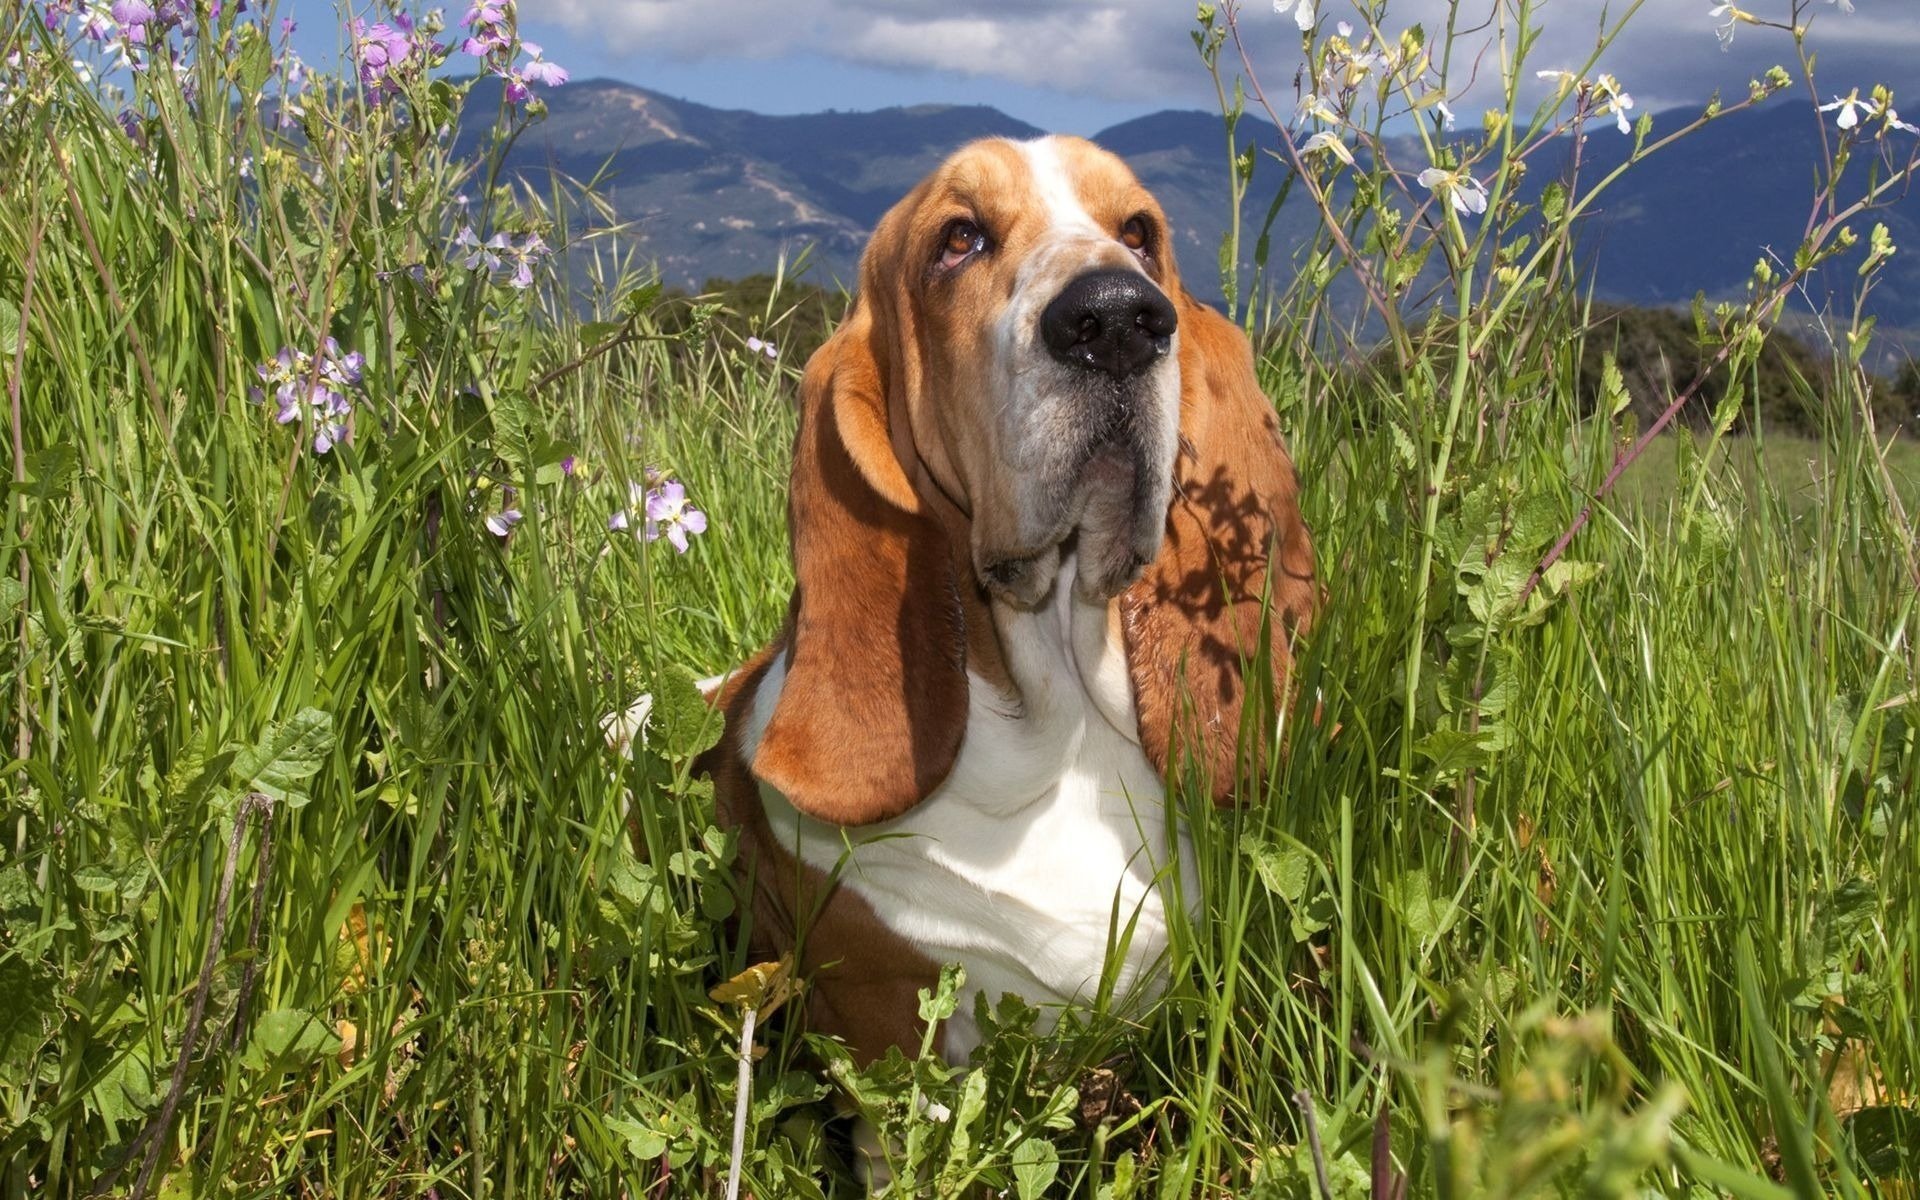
{"x":1237,"y":559}
{"x":875,"y":698}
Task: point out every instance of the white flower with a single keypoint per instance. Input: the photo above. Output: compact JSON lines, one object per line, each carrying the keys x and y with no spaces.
{"x":1344,"y":29}
{"x":1566,"y":79}
{"x":1615,"y":100}
{"x":1728,"y":16}
{"x":1446,"y":114}
{"x":1302,"y":12}
{"x":1312,"y":106}
{"x":1468,"y":195}
{"x":1851,"y":108}
{"x":762,"y":347}
{"x":1326,"y":139}
{"x":1845,"y":5}
{"x":1894,"y":121}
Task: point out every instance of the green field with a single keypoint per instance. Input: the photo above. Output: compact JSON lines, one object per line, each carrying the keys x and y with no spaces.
{"x":317,"y":876}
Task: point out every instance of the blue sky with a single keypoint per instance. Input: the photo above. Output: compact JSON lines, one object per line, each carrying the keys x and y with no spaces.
{"x":1081,"y":65}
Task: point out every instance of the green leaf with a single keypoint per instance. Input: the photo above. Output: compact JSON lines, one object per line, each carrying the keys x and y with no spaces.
{"x":1613,"y":387}
{"x":26,"y":1019}
{"x":96,"y":879}
{"x":1035,"y":1163}
{"x":287,"y":1038}
{"x":643,"y":1142}
{"x":682,"y":723}
{"x":1455,"y":751}
{"x":287,"y":755}
{"x":940,"y":1002}
{"x":125,"y":1091}
{"x":1791,"y":1130}
{"x":253,"y":65}
{"x":1411,"y":897}
{"x":1886,"y":1141}
{"x":1285,"y":870}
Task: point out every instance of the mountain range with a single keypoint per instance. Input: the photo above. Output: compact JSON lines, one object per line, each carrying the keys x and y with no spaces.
{"x":723,"y":193}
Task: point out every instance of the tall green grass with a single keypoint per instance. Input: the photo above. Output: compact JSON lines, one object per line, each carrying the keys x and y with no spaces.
{"x":318,"y":876}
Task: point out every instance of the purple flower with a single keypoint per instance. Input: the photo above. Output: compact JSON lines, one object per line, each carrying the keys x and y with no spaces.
{"x":97,"y":23}
{"x":492,"y":23}
{"x":669,"y":513}
{"x":501,"y":252}
{"x":312,"y":387}
{"x":500,"y":524}
{"x":566,"y":466}
{"x":520,"y":79}
{"x":759,"y":347}
{"x":380,"y":50}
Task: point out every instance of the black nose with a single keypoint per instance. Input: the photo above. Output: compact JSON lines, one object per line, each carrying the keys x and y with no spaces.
{"x":1114,"y":321}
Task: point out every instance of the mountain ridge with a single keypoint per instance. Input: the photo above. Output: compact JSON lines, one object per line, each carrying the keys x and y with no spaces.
{"x":724,"y":193}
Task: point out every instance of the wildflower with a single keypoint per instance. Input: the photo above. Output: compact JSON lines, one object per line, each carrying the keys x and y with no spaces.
{"x":492,"y":24}
{"x":1729,"y":16}
{"x":1615,"y":100}
{"x":1302,"y":12}
{"x":97,"y":23}
{"x":520,"y":79}
{"x":485,"y":255}
{"x":1328,"y":140}
{"x":669,"y":513}
{"x":312,"y":387}
{"x":528,"y":252}
{"x":500,"y":524}
{"x":1846,"y":6}
{"x":143,"y":23}
{"x":1851,"y":107}
{"x":1894,"y":121}
{"x":566,"y":466}
{"x":1446,"y":114}
{"x":501,"y":252}
{"x":380,"y":51}
{"x":636,"y":499}
{"x":757,"y":346}
{"x":1565,"y":79}
{"x":1312,"y":106}
{"x":1468,"y":195}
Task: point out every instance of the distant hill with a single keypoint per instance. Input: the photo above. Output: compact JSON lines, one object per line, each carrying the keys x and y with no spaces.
{"x":721,"y":192}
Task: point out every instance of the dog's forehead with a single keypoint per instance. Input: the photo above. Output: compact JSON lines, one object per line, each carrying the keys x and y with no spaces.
{"x":1068,"y":180}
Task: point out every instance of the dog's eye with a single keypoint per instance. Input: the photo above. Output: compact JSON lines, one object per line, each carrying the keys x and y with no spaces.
{"x":1134,"y":235}
{"x":964,"y":239}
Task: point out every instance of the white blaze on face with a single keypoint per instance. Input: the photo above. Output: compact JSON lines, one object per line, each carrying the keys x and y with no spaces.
{"x":1037,"y":426}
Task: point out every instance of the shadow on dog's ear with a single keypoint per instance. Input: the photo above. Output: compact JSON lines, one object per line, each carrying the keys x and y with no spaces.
{"x":1237,"y":560}
{"x":874,"y":702}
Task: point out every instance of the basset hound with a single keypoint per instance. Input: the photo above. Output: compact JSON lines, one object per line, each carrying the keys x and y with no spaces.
{"x":1041,"y":519}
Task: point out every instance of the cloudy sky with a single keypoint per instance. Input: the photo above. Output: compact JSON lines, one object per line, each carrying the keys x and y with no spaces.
{"x":1080,"y":65}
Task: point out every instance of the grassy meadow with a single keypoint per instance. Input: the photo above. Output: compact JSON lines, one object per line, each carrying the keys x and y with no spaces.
{"x":318,"y":878}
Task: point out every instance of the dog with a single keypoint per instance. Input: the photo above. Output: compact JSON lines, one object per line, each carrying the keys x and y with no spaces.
{"x":1046,"y":543}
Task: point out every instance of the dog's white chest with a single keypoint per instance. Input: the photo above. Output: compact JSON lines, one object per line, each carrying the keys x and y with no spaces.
{"x":1048,"y":848}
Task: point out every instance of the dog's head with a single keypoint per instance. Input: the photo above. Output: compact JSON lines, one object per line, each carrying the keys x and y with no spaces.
{"x":1023,"y":376}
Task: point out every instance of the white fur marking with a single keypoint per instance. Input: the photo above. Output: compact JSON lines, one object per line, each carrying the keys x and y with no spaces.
{"x":1046,"y":841}
{"x":1064,"y":210}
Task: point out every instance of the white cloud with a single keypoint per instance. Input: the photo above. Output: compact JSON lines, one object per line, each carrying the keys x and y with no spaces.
{"x":1139,"y":50}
